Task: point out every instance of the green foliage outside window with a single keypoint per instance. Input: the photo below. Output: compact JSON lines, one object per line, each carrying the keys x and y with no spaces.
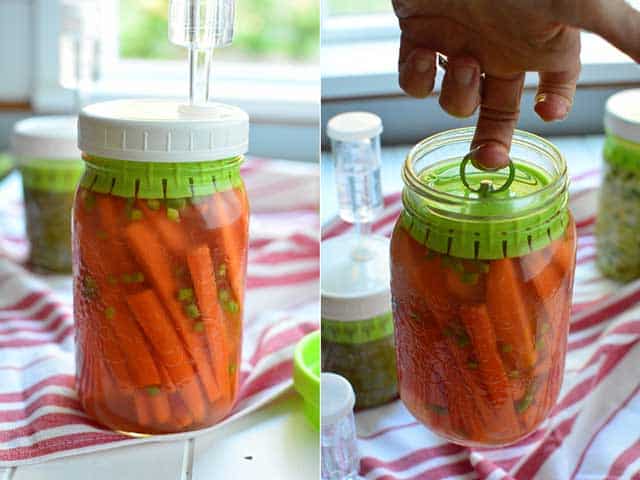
{"x":264,"y":29}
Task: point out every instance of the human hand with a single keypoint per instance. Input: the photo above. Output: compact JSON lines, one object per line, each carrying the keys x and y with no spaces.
{"x":503,"y":40}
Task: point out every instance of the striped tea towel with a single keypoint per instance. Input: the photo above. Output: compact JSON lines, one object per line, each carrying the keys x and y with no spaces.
{"x":40,"y":416}
{"x":594,"y":430}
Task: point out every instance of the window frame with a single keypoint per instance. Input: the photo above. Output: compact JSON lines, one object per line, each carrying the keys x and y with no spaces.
{"x":284,"y":103}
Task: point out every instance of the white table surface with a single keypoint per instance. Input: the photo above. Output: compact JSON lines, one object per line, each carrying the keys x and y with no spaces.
{"x":275,"y":442}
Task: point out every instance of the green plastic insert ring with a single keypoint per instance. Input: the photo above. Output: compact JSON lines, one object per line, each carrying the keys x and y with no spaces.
{"x":486,"y":186}
{"x":306,"y":375}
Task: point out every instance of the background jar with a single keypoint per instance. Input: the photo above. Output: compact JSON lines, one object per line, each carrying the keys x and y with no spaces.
{"x":49,"y":162}
{"x":160,"y":249}
{"x":481,"y":288}
{"x":357,"y":327}
{"x":618,"y":220}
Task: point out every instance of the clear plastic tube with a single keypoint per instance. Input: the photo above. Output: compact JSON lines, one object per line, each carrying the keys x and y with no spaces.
{"x":339,"y":449}
{"x":201,"y":26}
{"x":355,"y":142}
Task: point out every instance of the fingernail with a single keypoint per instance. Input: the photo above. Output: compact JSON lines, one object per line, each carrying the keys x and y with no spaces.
{"x":423,"y":63}
{"x":463,"y":75}
{"x":560,"y":106}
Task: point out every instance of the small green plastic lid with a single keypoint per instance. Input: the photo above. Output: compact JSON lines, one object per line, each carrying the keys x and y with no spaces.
{"x":6,"y":164}
{"x":454,"y":208}
{"x":306,"y":375}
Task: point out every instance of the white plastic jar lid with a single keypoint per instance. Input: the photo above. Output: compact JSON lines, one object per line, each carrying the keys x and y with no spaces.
{"x":622,"y":115}
{"x":163,"y":131}
{"x":50,"y":137}
{"x":352,"y":288}
{"x":354,"y":126}
{"x":336,"y":398}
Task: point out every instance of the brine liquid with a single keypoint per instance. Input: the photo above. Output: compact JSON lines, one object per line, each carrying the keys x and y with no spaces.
{"x":158,"y":295}
{"x":481,"y":344}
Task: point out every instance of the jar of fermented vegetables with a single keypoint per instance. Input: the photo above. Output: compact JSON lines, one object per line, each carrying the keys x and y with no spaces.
{"x":357,"y":327}
{"x":618,"y":219}
{"x":160,"y":232}
{"x":482,"y":269}
{"x":50,"y":164}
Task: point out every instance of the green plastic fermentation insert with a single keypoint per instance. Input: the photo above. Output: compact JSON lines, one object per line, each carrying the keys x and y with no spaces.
{"x":306,"y":375}
{"x":465,"y":212}
{"x":157,"y":180}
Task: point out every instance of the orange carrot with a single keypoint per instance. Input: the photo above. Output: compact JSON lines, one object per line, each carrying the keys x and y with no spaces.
{"x":231,"y":210}
{"x":144,"y":369}
{"x":113,"y":356}
{"x":565,"y":255}
{"x":171,"y":232}
{"x":148,"y":251}
{"x":160,"y":407}
{"x":468,"y":406}
{"x":150,"y":315}
{"x":508,"y":311}
{"x":473,"y":410}
{"x":478,"y":325}
{"x":121,"y":344}
{"x":180,"y":415}
{"x":203,"y":278}
{"x":165,"y":379}
{"x":143,"y":409}
{"x":134,"y":348}
{"x":542,"y":272}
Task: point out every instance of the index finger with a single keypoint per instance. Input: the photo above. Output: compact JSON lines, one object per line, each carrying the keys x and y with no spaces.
{"x":499,"y":113}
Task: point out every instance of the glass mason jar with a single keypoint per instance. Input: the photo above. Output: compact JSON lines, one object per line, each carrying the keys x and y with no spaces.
{"x":481,"y":279}
{"x":160,"y":251}
{"x":50,"y":165}
{"x":357,"y":326}
{"x":618,"y":221}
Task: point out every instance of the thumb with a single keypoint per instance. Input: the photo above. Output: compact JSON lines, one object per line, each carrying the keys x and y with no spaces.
{"x":614,"y":20}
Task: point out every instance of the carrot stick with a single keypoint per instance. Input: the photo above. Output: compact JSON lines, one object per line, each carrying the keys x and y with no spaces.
{"x":421,"y":363}
{"x":565,"y":255}
{"x":123,"y":347}
{"x":540,"y":270}
{"x":507,"y":309}
{"x":160,"y":407}
{"x":171,"y":232}
{"x":150,"y":315}
{"x":471,"y":408}
{"x":134,"y":347}
{"x":148,"y":250}
{"x":180,"y":415}
{"x":143,"y":409}
{"x":165,"y":379}
{"x":203,"y":278}
{"x":231,"y":209}
{"x":139,"y":357}
{"x":466,"y":399}
{"x":478,"y":325}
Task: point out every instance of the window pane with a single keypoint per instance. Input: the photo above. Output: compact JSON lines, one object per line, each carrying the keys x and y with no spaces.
{"x":340,"y":7}
{"x":264,"y":30}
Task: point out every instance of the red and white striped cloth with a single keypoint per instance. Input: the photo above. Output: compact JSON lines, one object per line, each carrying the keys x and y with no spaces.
{"x":40,"y":417}
{"x":594,"y":430}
